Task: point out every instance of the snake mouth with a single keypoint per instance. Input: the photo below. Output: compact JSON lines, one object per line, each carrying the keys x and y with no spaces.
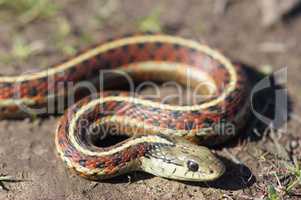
{"x":198,"y":176}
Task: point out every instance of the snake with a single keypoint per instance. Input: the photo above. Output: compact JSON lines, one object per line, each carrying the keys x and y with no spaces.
{"x":163,"y":139}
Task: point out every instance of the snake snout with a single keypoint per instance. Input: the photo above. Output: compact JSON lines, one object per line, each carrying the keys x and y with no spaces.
{"x":215,"y":169}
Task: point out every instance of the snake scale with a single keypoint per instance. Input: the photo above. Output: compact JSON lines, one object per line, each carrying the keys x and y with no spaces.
{"x":161,"y":137}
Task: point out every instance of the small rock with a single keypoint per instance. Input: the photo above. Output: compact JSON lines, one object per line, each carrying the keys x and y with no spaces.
{"x":294,"y":144}
{"x":273,"y":10}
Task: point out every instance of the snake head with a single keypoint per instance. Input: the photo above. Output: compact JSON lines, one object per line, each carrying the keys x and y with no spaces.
{"x":183,"y":161}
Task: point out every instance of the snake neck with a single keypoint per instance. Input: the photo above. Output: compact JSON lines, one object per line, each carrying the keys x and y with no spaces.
{"x":95,"y":162}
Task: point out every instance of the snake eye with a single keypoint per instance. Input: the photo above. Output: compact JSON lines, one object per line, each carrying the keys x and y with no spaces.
{"x":192,"y":166}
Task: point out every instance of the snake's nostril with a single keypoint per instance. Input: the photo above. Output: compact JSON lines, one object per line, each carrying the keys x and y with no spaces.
{"x":211,"y":171}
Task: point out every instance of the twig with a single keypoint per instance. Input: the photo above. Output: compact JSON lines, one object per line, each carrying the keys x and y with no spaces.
{"x":7,"y":179}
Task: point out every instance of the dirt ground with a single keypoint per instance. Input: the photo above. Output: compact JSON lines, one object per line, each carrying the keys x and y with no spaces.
{"x":259,"y":163}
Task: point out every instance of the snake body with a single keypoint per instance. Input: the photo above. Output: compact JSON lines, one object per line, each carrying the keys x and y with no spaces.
{"x":161,"y":136}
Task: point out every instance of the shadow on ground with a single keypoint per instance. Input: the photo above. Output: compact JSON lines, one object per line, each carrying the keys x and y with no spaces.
{"x":293,"y":14}
{"x":270,"y":105}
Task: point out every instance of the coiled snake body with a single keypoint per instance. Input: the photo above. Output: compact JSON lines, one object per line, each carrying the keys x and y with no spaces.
{"x":158,"y":133}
